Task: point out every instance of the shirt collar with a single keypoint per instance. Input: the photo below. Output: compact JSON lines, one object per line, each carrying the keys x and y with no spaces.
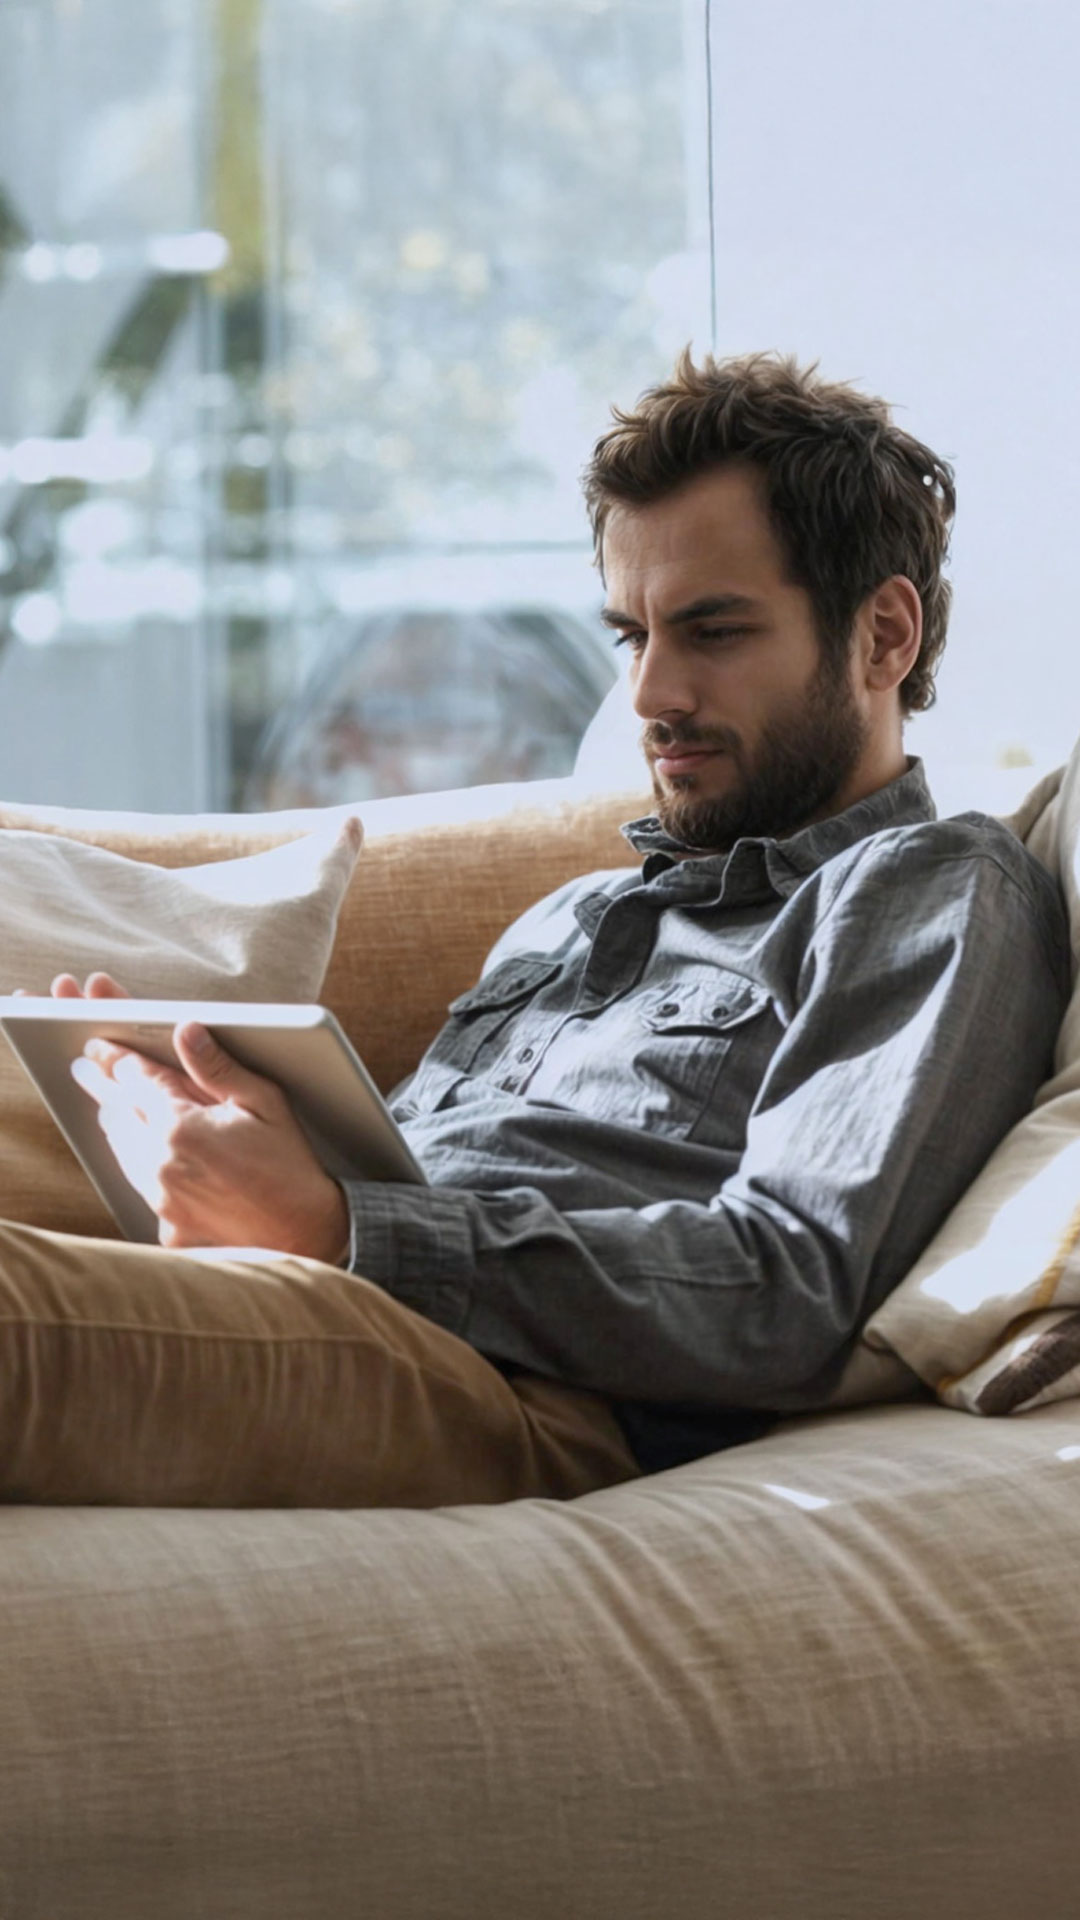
{"x":779,"y":866}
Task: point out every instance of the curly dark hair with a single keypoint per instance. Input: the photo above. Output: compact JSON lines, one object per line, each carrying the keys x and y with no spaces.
{"x":852,"y":498}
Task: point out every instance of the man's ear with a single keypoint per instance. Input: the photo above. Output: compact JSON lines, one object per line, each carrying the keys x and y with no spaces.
{"x":891,"y":626}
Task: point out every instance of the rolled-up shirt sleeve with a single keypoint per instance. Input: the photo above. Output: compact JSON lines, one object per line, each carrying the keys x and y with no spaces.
{"x":927,"y":1005}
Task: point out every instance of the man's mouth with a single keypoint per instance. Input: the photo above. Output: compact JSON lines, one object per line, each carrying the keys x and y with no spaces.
{"x":674,"y":760}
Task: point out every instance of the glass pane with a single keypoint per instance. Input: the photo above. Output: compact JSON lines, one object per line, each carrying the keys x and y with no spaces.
{"x":317,"y":306}
{"x":105,"y":658}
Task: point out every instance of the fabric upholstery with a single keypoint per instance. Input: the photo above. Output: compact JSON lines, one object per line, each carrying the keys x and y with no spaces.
{"x":831,"y":1675}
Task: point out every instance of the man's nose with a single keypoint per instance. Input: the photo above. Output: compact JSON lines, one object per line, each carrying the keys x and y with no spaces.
{"x":662,"y":681}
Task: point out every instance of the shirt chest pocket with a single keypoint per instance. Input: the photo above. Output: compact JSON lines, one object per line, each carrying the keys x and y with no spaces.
{"x":698,"y":1055}
{"x":479,"y":1021}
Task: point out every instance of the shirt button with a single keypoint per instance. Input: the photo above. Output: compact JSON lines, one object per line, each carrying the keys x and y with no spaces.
{"x":669,"y":1006}
{"x":718,"y":1013}
{"x":526,"y":1053}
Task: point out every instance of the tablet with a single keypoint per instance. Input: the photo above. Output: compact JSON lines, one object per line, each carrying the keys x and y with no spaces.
{"x":303,"y":1048}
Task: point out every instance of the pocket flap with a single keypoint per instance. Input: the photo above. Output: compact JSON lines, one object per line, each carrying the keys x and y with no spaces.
{"x":511,"y":981}
{"x":709,"y":1002}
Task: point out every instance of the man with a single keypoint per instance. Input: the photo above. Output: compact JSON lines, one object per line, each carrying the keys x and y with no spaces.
{"x":693,"y":1123}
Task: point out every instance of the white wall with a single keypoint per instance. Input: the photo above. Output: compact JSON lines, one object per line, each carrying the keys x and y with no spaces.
{"x":896,"y":194}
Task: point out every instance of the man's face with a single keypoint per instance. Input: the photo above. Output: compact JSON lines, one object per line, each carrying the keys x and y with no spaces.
{"x":749,"y":729}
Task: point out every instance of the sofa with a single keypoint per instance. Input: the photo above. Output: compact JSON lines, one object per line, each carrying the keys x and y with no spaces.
{"x":833,"y":1674}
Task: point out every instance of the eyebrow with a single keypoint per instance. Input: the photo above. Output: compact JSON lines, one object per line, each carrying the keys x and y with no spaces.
{"x":704,"y":609}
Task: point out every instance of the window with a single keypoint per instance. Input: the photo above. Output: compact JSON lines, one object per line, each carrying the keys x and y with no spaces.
{"x":316,"y":307}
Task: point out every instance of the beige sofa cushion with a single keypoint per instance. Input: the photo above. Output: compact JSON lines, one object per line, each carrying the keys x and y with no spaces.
{"x":412,"y":930}
{"x":827,"y":1676}
{"x":255,"y":928}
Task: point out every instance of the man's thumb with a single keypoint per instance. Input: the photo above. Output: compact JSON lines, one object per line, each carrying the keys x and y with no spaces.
{"x":218,"y":1073}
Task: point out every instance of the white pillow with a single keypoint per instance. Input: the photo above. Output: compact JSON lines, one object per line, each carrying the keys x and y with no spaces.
{"x":256,"y":928}
{"x":609,"y":759}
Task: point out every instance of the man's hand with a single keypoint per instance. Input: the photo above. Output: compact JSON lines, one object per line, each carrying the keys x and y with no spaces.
{"x":213,"y":1149}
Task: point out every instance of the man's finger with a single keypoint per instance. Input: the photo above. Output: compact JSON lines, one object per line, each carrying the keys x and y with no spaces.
{"x":102,"y":986}
{"x":99,"y":986}
{"x":151,"y":1088}
{"x":127,"y":1091}
{"x":104,"y":1053}
{"x":222,"y":1077}
{"x":141,"y":1069}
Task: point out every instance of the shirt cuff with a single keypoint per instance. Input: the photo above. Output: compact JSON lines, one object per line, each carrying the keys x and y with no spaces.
{"x":416,"y":1243}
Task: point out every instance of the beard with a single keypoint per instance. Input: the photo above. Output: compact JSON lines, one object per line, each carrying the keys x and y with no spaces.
{"x":803,"y":759}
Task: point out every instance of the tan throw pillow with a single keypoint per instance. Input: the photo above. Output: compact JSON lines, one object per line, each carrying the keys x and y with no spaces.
{"x":258,"y":928}
{"x":989,"y":1317}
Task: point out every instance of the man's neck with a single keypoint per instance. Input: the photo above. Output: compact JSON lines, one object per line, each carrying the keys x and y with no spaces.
{"x":875,"y":770}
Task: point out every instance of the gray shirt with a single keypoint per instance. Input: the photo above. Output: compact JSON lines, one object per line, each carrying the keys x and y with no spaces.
{"x":696,"y":1121}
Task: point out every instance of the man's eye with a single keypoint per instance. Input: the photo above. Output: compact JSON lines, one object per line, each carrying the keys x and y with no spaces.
{"x":635,"y":639}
